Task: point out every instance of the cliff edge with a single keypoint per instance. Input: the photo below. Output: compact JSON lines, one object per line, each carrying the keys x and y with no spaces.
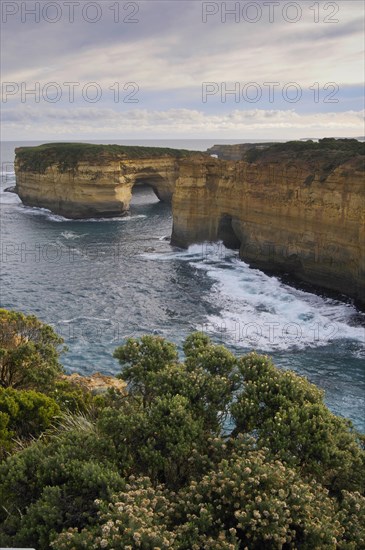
{"x":296,"y":208}
{"x":80,"y":180}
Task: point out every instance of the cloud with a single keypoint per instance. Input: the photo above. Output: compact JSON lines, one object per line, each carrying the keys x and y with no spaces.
{"x":170,"y":52}
{"x":142,"y":123}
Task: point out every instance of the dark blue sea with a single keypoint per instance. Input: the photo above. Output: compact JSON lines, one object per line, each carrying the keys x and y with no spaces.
{"x":100,"y":281}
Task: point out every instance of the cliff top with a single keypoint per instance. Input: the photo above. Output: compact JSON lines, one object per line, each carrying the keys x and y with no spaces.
{"x":340,"y":150}
{"x":67,"y":155}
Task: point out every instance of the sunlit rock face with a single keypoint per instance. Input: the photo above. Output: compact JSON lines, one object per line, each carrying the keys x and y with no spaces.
{"x":83,"y":181}
{"x":298,"y":214}
{"x":297,"y":209}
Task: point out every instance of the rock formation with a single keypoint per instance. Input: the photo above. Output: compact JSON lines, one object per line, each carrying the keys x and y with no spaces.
{"x":237,"y":151}
{"x":297,"y":212}
{"x":84,"y":180}
{"x":295,"y":208}
{"x":97,"y":383}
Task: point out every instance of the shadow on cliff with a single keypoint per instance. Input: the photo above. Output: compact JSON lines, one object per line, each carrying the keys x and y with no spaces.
{"x":227,"y":233}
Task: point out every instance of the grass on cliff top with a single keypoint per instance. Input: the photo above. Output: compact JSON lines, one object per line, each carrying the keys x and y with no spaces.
{"x":67,"y":155}
{"x":342,"y":149}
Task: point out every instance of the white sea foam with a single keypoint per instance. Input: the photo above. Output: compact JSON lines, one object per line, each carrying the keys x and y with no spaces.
{"x":9,"y":198}
{"x":258,"y":310}
{"x":70,"y":235}
{"x":50,"y":216}
{"x":85,"y":318}
{"x":116,"y":219}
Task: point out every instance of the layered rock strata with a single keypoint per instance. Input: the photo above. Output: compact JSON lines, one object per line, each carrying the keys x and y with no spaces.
{"x":288,"y":208}
{"x":285,"y":215}
{"x":83,"y":181}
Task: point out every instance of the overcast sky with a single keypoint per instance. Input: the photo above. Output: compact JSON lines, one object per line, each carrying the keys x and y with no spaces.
{"x":160,"y":69}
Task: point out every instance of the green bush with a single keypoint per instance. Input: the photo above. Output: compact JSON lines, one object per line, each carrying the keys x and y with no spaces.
{"x":247,"y":501}
{"x":135,"y":518}
{"x":206,"y":379}
{"x":251,"y":501}
{"x":213,"y":452}
{"x":29,"y":352}
{"x":157,"y":441}
{"x":71,"y":397}
{"x":351,"y":515}
{"x":53,"y":484}
{"x":24,"y":414}
{"x":287,"y":414}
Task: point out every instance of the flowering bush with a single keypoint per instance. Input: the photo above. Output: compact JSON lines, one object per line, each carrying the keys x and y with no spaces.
{"x":251,"y":500}
{"x":134,"y":518}
{"x":214,"y":452}
{"x":287,"y":414}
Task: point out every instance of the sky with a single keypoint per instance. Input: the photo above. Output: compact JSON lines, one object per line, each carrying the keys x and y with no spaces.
{"x":173,"y":69}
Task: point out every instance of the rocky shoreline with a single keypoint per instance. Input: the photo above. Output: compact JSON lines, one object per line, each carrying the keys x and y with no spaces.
{"x":296,"y":208}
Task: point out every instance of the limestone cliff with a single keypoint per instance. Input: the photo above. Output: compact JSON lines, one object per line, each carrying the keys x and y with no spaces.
{"x":237,"y":151}
{"x":84,"y":180}
{"x":299,"y":212}
{"x":297,"y":208}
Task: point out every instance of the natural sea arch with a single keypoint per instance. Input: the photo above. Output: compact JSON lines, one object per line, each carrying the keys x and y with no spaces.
{"x":152,"y":182}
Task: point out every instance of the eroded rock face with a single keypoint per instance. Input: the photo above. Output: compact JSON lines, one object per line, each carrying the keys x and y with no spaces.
{"x":299,"y":214}
{"x":294,"y":208}
{"x":235,"y":152}
{"x":102,"y":188}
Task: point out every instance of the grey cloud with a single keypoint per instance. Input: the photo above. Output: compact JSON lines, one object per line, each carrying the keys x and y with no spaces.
{"x":169,"y":53}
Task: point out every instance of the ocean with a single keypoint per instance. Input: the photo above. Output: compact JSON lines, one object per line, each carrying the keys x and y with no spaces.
{"x":101,"y":281}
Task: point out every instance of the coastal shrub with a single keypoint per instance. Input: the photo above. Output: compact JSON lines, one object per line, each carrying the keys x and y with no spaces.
{"x":135,"y":518}
{"x":206,"y":379}
{"x":72,"y":397}
{"x":351,"y":515}
{"x":52,"y":485}
{"x":247,"y":501}
{"x":287,"y":414}
{"x":24,"y":414}
{"x":141,"y":359}
{"x":29,"y":352}
{"x":208,"y":395}
{"x":157,"y":441}
{"x":250,"y":500}
{"x":211,"y":451}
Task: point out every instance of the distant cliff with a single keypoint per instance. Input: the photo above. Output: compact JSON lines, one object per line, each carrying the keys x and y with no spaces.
{"x":237,"y":151}
{"x":296,"y":207}
{"x":79,"y":180}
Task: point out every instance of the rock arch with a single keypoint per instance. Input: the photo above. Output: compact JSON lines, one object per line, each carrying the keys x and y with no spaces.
{"x":156,"y":182}
{"x":159,"y":174}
